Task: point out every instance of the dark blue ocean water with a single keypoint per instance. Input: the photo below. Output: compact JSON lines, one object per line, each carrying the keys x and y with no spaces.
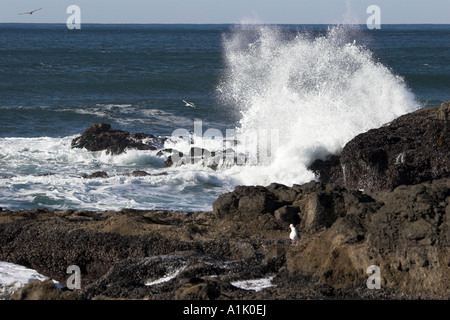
{"x":56,"y":82}
{"x":49,"y":74}
{"x":47,"y":68}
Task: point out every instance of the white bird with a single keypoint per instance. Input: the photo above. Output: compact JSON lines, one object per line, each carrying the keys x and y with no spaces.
{"x":294,"y":235}
{"x":30,"y":12}
{"x":189,"y":104}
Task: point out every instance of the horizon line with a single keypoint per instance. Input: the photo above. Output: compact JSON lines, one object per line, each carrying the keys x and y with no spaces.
{"x":223,"y":23}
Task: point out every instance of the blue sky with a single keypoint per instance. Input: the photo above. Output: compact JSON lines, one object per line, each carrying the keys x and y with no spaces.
{"x":227,"y":11}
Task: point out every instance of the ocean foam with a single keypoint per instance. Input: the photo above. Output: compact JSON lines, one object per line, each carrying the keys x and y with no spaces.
{"x":254,"y":284}
{"x":169,"y":276}
{"x":315,"y":93}
{"x":10,"y":273}
{"x":47,"y":172}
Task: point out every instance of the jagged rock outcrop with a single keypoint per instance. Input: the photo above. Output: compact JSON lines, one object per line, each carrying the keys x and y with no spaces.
{"x":388,"y":208}
{"x":143,"y":254}
{"x":100,"y":136}
{"x":406,"y":233}
{"x":411,"y":149}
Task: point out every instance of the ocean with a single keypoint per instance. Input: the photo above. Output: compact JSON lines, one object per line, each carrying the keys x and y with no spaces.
{"x":296,"y":92}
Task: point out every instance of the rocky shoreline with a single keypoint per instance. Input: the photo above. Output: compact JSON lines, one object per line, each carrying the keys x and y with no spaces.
{"x":390,"y":212}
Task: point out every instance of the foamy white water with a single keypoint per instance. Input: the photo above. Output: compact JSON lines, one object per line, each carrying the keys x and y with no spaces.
{"x":47,"y":172}
{"x":11,"y":272}
{"x":310,"y":95}
{"x":13,"y":277}
{"x":254,"y":284}
{"x":300,"y":98}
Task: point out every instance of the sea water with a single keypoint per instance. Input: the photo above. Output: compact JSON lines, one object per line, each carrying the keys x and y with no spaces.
{"x":305,"y":90}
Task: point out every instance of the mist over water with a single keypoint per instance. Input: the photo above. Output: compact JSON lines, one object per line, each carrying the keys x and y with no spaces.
{"x":316,"y":92}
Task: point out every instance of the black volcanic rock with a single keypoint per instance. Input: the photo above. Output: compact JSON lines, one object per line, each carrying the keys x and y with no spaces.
{"x":141,"y":254}
{"x":411,"y":149}
{"x":399,"y":223}
{"x":100,"y":136}
{"x":95,"y":175}
{"x":247,"y":202}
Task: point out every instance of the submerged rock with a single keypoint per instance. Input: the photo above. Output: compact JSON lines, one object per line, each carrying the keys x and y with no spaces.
{"x":95,"y":175}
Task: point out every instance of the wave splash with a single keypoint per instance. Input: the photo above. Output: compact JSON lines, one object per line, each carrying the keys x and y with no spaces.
{"x":315,"y":92}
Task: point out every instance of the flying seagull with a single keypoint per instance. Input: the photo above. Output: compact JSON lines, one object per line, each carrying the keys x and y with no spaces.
{"x":294,"y":235}
{"x":30,"y":12}
{"x":189,"y":104}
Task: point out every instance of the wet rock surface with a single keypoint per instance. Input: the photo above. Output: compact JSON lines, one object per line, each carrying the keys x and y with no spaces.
{"x":100,"y":136}
{"x":139,"y":254}
{"x":384,"y":203}
{"x":411,"y":149}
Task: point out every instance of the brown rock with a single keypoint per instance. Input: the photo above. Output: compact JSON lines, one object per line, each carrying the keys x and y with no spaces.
{"x":43,"y":290}
{"x":317,"y":210}
{"x":199,"y":289}
{"x":287,"y":215}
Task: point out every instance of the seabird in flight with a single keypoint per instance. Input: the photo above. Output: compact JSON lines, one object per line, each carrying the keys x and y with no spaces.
{"x":189,"y":104}
{"x":30,"y":12}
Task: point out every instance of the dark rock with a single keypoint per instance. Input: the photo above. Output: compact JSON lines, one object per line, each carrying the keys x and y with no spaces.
{"x":225,"y":204}
{"x":282,"y":192}
{"x":411,"y":149}
{"x":168,"y":162}
{"x":160,"y":254}
{"x":275,"y":258}
{"x":310,"y":187}
{"x":256,"y":200}
{"x":100,"y":136}
{"x":246,"y":201}
{"x":327,"y":170}
{"x":139,"y":173}
{"x":203,"y":289}
{"x":98,"y":174}
{"x":320,"y":209}
{"x":350,"y":229}
{"x":288,"y":215}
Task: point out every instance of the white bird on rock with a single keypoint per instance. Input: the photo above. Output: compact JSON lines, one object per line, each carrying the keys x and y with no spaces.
{"x":294,"y":235}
